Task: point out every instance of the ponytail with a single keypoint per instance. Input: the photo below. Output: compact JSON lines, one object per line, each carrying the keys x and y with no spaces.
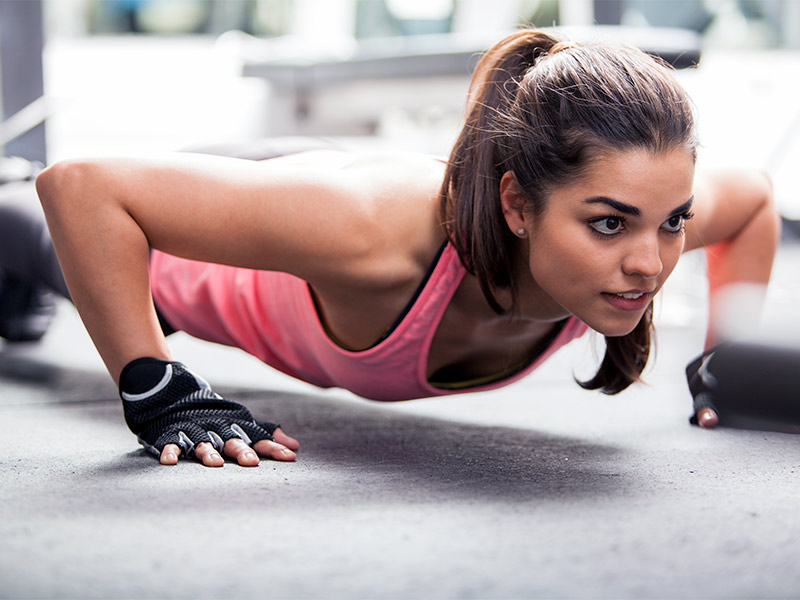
{"x":470,"y":195}
{"x":543,"y":109}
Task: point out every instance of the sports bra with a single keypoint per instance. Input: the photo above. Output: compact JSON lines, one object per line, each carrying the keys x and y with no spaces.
{"x":273,"y":316}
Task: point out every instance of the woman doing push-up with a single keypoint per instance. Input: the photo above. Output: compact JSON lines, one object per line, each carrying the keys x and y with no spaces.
{"x":565,"y":204}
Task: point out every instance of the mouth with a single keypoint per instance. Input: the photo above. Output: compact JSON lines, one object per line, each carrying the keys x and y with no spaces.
{"x":633,"y":300}
{"x":630,"y":295}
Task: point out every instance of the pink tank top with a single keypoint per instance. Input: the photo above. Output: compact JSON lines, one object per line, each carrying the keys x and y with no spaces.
{"x":272,"y":316}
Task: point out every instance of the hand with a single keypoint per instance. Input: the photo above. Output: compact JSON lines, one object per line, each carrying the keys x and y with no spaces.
{"x":747,"y":385}
{"x":703,"y":386}
{"x":279,"y":448}
{"x":174,"y":412}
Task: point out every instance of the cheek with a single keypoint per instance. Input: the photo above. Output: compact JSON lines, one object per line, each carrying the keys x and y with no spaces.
{"x":670,"y":256}
{"x":569,"y":261}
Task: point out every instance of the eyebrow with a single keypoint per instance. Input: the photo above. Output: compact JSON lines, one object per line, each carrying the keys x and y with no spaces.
{"x":629,"y":209}
{"x":625,"y":209}
{"x":683,"y":207}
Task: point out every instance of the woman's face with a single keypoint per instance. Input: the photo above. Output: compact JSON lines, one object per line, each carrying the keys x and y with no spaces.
{"x":604,"y":246}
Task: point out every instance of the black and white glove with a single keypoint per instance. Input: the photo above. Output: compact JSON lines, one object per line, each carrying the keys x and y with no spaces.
{"x":165,"y":403}
{"x":703,"y":384}
{"x":751,"y":386}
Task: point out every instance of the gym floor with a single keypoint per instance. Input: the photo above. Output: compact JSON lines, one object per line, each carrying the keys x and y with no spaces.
{"x":537,"y":490}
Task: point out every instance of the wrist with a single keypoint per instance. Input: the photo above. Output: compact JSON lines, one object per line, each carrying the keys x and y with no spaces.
{"x":142,"y":375}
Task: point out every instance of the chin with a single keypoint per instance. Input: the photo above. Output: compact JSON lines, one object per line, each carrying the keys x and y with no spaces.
{"x":617,"y":329}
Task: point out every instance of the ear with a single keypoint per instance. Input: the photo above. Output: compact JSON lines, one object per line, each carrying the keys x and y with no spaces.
{"x":513,"y":204}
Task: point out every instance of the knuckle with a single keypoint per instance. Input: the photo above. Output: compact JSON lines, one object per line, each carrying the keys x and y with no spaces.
{"x":235,"y":446}
{"x":203,"y":449}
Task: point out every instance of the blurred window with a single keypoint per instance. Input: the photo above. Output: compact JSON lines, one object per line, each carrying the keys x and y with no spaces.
{"x":749,"y":23}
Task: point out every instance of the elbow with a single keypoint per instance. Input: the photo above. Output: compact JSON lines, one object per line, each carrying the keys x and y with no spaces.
{"x":764,"y":194}
{"x":764,"y":190}
{"x":51,"y":184}
{"x":763,"y":229}
{"x":760,"y":217}
{"x":757,"y":190}
{"x":64,"y":184}
{"x":54,"y":180}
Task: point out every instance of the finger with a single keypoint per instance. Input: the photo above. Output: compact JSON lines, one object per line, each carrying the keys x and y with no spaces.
{"x":170,"y":454}
{"x":208,"y":455}
{"x":279,"y":436}
{"x":274,"y":450}
{"x":706,"y":417}
{"x":238,"y":450}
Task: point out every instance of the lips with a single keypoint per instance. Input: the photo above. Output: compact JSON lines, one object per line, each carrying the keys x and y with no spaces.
{"x":630,"y":295}
{"x":631,"y":300}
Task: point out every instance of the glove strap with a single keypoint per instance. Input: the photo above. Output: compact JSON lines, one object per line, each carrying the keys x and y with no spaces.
{"x":144,"y":377}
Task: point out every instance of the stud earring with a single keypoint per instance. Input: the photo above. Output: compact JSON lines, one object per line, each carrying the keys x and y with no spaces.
{"x":521,"y":232}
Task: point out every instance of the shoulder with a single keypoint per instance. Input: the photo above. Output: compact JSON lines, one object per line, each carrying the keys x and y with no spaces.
{"x":401,"y":192}
{"x":391,"y":201}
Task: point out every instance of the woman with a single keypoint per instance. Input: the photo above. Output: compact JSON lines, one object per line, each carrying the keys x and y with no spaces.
{"x":565,"y":204}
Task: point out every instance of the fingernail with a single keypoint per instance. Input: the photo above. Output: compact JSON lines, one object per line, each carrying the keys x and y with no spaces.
{"x":249,"y":455}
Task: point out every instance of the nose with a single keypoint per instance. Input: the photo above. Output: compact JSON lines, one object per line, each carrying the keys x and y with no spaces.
{"x":643,"y":259}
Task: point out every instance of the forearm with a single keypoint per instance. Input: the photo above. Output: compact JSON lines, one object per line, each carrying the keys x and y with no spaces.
{"x":104,"y":255}
{"x":738,"y":273}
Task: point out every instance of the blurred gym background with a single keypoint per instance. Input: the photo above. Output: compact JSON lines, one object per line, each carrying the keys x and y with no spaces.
{"x":88,"y":77}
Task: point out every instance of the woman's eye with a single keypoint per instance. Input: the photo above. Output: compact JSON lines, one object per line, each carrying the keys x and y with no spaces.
{"x":607,"y":225}
{"x":674,"y":224}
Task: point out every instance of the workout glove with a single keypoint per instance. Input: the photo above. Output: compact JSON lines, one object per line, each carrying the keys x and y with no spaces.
{"x":165,"y":403}
{"x":749,"y":386}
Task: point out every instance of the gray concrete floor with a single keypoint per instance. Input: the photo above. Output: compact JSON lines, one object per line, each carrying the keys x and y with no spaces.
{"x":536,"y":490}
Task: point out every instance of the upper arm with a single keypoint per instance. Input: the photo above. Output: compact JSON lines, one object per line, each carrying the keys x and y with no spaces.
{"x":725,"y":203}
{"x":272,"y":215}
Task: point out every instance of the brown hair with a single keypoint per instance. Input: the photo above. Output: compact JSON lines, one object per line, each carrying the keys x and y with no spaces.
{"x":544,"y":109}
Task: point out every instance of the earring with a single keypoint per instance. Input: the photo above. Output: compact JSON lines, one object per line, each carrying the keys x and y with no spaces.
{"x":521,"y":232}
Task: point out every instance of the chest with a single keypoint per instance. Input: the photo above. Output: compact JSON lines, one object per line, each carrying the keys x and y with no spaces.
{"x":464,"y":340}
{"x":468,"y":347}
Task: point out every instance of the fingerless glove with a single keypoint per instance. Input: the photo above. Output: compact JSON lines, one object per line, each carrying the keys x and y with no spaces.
{"x":752,"y":386}
{"x":166,"y":403}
